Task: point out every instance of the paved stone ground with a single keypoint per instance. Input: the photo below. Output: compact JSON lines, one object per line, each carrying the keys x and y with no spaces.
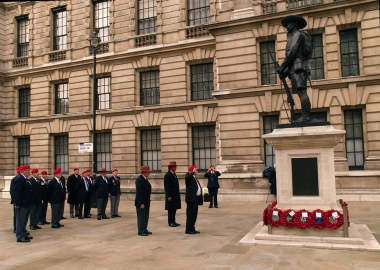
{"x":114,"y":243}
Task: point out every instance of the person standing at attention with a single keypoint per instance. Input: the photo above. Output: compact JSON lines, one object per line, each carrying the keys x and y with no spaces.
{"x":172,"y":194}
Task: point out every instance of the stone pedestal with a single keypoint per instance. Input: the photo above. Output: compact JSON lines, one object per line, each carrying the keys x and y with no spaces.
{"x":314,"y":147}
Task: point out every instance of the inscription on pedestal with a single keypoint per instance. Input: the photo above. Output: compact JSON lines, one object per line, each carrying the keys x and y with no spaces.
{"x":305,"y":176}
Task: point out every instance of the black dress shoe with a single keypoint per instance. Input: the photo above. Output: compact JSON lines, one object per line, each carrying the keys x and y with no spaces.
{"x":99,"y":218}
{"x":197,"y":232}
{"x":87,"y":216}
{"x":216,"y":206}
{"x":189,"y":232}
{"x":63,"y":218}
{"x":210,"y":206}
{"x":33,"y":228}
{"x":29,"y":237}
{"x":38,"y":227}
{"x":143,"y":234}
{"x":113,"y":216}
{"x":27,"y":233}
{"x":72,"y":216}
{"x":80,"y":217}
{"x":56,"y":226}
{"x":40,"y":223}
{"x":105,"y":217}
{"x":61,"y":225}
{"x":148,"y":232}
{"x":177,"y":224}
{"x":46,"y":222}
{"x":23,"y":240}
{"x":117,"y":216}
{"x":172,"y":225}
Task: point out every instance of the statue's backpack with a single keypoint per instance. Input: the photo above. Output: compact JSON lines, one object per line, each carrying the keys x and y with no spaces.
{"x":307,"y":49}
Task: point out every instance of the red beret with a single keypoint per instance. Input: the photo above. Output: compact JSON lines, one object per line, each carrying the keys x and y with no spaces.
{"x":172,"y":163}
{"x":145,"y":169}
{"x":18,"y":169}
{"x":102,"y":170}
{"x":84,"y":172}
{"x":34,"y":171}
{"x":24,"y":167}
{"x":88,"y":170}
{"x":114,"y":170}
{"x":44,"y":172}
{"x":76,"y":169}
{"x":58,"y":170}
{"x":191,"y":168}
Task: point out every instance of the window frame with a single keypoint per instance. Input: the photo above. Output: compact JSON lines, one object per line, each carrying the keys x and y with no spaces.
{"x":200,"y":70}
{"x":56,"y":27}
{"x":103,"y":157}
{"x":197,"y":10}
{"x":356,"y":144}
{"x":141,"y":20}
{"x":266,"y":63}
{"x":152,"y":92}
{"x":103,"y":31}
{"x":269,"y":158}
{"x":146,"y":137}
{"x":22,"y":33}
{"x":61,"y":152}
{"x":103,"y":91}
{"x":209,"y":152}
{"x":22,"y":103}
{"x":351,"y":45}
{"x":23,"y":154}
{"x":314,"y":59}
{"x":57,"y":101}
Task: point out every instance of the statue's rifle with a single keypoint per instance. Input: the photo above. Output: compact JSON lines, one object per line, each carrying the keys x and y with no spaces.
{"x":287,"y":90}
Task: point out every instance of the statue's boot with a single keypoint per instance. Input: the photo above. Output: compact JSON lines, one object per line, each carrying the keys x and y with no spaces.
{"x":305,"y":115}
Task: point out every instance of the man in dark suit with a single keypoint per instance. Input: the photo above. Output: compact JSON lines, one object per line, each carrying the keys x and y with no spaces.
{"x":142,"y":201}
{"x":193,"y":194}
{"x":36,"y":202}
{"x":88,"y":203}
{"x":213,"y":185}
{"x":73,"y":197}
{"x":22,"y":201}
{"x":11,"y":189}
{"x":82,"y":189}
{"x":101,"y":193}
{"x":56,"y":198}
{"x":44,"y":197}
{"x":172,"y":195}
{"x":115,"y":192}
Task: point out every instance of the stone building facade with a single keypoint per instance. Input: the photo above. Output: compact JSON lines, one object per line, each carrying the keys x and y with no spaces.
{"x":184,"y":80}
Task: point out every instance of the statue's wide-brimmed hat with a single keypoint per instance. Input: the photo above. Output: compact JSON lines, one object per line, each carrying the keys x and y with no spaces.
{"x":294,"y":18}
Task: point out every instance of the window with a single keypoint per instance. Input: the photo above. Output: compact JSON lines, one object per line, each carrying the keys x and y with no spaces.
{"x":149,"y":87}
{"x":60,"y":29}
{"x":354,"y":139}
{"x":270,"y":123}
{"x":22,"y":36}
{"x":203,"y":146}
{"x":24,"y":102}
{"x":202,"y":81}
{"x":316,"y":64}
{"x":104,"y":93}
{"x":104,"y":150}
{"x":61,"y":98}
{"x":151,"y":149}
{"x":268,"y":72}
{"x":102,"y":19}
{"x":23,"y":151}
{"x":61,"y":146}
{"x":147,"y":16}
{"x":349,"y":52}
{"x":198,"y":11}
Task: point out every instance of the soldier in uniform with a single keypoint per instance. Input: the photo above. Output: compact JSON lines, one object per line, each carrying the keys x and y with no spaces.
{"x":91,"y":203}
{"x":142,"y":201}
{"x":82,"y":189}
{"x":193,"y":198}
{"x":101,"y":193}
{"x":36,"y":202}
{"x":56,"y":198}
{"x":11,"y":193}
{"x":172,"y":194}
{"x":73,"y":197}
{"x":114,"y":192}
{"x":44,"y":197}
{"x":295,"y":65}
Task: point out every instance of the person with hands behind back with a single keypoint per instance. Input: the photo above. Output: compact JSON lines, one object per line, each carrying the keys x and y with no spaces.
{"x":142,"y":201}
{"x":193,"y":198}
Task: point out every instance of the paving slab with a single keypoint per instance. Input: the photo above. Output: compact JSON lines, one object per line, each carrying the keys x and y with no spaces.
{"x":93,"y":244}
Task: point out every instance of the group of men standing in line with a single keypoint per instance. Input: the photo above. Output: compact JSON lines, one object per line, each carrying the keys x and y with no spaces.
{"x":193,"y":196}
{"x":30,"y":197}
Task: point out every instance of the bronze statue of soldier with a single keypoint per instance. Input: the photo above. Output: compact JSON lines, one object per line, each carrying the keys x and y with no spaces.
{"x":295,"y":64}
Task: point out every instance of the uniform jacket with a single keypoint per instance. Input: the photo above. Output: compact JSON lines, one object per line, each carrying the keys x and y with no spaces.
{"x":212,"y":179}
{"x":55,"y":192}
{"x":143,"y":191}
{"x":11,"y":189}
{"x":191,"y":187}
{"x":81,"y":189}
{"x":171,"y":186}
{"x":101,"y":187}
{"x":71,"y":185}
{"x":44,"y":188}
{"x":294,"y":60}
{"x":114,"y":185}
{"x":36,"y":190}
{"x":22,"y":192}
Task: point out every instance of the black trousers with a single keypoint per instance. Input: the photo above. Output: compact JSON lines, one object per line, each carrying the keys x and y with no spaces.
{"x":22,"y":214}
{"x":72,"y":208}
{"x":35,"y":211}
{"x":44,"y":207}
{"x":14,"y":218}
{"x":171,"y":216}
{"x":142,"y":219}
{"x":62,"y":209}
{"x":102,"y":205}
{"x":213,"y":192}
{"x":191,"y":216}
{"x":87,"y":204}
{"x":56,"y":213}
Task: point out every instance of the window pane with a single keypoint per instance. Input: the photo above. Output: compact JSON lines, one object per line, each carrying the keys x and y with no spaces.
{"x":24,"y":102}
{"x":202,"y":81}
{"x":104,"y":150}
{"x":151,"y":149}
{"x":316,"y":64}
{"x":203,"y":146}
{"x":349,"y":52}
{"x":60,"y":29}
{"x":270,"y":122}
{"x":354,"y":138}
{"x":61,"y":147}
{"x":149,"y":88}
{"x":268,"y":72}
{"x":198,"y":11}
{"x":23,"y":37}
{"x":147,"y":16}
{"x":101,"y":19}
{"x":104,"y":93}
{"x":23,"y":151}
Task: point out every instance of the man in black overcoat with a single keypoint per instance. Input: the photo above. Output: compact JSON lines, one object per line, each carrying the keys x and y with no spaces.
{"x":82,"y":189}
{"x":114,"y":192}
{"x":56,"y":198}
{"x":36,"y":202}
{"x":11,"y":189}
{"x":72,"y":199}
{"x":142,"y":201}
{"x":172,"y":194}
{"x":101,"y":193}
{"x":22,"y":201}
{"x":44,"y":197}
{"x":192,"y":198}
